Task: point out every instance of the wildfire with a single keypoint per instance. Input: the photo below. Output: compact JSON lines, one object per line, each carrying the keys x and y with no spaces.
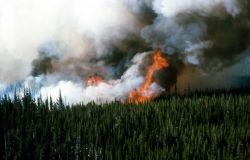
{"x":142,"y":94}
{"x":94,"y":80}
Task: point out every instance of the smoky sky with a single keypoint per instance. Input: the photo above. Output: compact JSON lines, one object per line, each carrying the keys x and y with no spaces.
{"x":58,"y":44}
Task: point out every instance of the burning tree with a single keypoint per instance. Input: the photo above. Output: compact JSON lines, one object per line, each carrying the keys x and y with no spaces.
{"x":143,"y":94}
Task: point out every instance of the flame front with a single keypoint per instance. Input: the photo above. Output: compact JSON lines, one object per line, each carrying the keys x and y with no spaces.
{"x":142,"y":94}
{"x":94,"y":80}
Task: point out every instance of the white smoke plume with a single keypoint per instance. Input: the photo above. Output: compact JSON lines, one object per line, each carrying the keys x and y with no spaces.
{"x":105,"y":92}
{"x":170,"y":8}
{"x":25,"y":25}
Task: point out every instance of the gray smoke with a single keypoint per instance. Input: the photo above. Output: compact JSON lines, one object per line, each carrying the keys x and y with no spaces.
{"x":205,"y":33}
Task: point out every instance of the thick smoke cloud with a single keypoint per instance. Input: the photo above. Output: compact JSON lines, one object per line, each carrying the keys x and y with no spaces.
{"x":86,"y":29}
{"x":54,"y":45}
{"x":114,"y":90}
{"x":210,"y":34}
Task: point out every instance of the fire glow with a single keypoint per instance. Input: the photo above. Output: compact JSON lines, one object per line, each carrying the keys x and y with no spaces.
{"x":94,"y":80}
{"x":142,"y":94}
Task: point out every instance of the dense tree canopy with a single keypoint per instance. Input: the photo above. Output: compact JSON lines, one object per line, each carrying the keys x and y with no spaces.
{"x":177,"y":127}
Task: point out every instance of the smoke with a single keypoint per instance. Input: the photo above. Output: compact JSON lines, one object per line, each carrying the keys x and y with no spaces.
{"x":54,"y":45}
{"x":211,"y":35}
{"x":105,"y":92}
{"x":172,"y":8}
{"x":86,"y":29}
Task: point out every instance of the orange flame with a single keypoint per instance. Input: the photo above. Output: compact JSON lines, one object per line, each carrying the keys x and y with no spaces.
{"x":142,"y":94}
{"x":94,"y":80}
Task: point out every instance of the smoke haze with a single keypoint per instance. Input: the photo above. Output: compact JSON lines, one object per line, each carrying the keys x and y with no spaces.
{"x":55,"y":45}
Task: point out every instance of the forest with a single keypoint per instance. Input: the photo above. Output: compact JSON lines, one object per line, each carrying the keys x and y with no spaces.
{"x":198,"y":126}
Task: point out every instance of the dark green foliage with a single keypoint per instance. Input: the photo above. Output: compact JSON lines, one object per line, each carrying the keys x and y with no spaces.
{"x":199,"y":127}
